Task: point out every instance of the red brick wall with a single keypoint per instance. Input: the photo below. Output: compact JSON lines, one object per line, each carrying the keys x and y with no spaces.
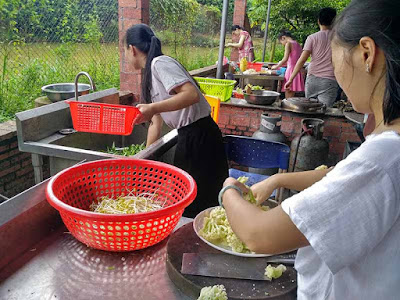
{"x":239,"y":18}
{"x":16,"y":171}
{"x":245,"y":121}
{"x":130,"y":12}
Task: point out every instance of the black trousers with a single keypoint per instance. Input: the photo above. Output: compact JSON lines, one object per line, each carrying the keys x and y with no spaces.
{"x":200,"y":152}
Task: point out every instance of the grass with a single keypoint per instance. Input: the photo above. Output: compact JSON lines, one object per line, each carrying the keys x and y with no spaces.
{"x":24,"y":69}
{"x":30,"y":67}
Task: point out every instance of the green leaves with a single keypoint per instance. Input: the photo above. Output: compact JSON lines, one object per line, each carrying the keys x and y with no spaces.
{"x":177,"y":16}
{"x":300,"y":17}
{"x":59,"y":20}
{"x":127,"y":151}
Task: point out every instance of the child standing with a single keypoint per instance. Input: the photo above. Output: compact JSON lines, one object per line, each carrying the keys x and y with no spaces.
{"x":292,"y":54}
{"x":173,"y":97}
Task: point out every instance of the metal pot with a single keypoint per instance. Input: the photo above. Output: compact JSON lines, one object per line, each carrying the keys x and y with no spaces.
{"x":62,"y":91}
{"x":261,"y":97}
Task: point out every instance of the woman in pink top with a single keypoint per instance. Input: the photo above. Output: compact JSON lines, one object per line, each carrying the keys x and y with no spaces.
{"x":292,"y":54}
{"x":245,"y":44}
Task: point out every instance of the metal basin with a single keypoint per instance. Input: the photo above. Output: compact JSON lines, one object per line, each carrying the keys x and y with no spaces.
{"x":261,"y":97}
{"x":62,"y":91}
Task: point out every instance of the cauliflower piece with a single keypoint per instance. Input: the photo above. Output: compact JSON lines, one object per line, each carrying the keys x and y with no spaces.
{"x":274,"y":272}
{"x":235,"y":243}
{"x":216,"y":292}
{"x":321,"y":167}
{"x":265,"y":207}
{"x":215,"y":226}
{"x":217,"y":229}
{"x":247,"y":196}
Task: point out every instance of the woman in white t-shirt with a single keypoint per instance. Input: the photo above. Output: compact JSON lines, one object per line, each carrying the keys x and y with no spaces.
{"x":172,"y":96}
{"x":345,"y":221}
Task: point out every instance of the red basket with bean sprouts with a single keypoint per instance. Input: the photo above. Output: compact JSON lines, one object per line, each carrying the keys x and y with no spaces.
{"x":121,"y":204}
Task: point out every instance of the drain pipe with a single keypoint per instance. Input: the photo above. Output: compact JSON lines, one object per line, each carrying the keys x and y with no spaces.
{"x":222,"y":40}
{"x":266,"y":30}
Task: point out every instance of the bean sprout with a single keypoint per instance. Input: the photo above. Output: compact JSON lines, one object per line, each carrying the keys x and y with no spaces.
{"x":129,"y":204}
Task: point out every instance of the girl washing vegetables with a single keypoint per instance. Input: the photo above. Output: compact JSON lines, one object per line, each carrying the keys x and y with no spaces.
{"x":244,"y":45}
{"x":292,"y":54}
{"x":173,"y":97}
{"x":346,"y":221}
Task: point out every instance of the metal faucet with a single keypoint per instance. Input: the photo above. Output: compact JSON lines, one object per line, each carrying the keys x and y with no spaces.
{"x":92,"y":85}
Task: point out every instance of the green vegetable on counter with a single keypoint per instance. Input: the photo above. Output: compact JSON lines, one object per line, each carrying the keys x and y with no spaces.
{"x":216,"y":292}
{"x":239,"y":91}
{"x":274,"y":272}
{"x":127,"y":151}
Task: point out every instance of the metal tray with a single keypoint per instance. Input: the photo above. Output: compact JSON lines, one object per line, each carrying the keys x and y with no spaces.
{"x":261,"y":97}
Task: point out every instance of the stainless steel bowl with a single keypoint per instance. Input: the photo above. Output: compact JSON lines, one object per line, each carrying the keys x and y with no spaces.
{"x":261,"y":97}
{"x":62,"y":91}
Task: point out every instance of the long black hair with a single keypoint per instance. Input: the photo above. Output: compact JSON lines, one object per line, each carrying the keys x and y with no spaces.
{"x":379,"y":20}
{"x":283,"y":33}
{"x":143,"y":38}
{"x":234,"y":27}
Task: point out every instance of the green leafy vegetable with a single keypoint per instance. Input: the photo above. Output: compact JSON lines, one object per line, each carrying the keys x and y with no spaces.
{"x":127,"y":151}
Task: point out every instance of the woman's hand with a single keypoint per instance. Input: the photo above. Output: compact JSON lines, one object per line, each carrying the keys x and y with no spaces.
{"x":228,"y":45}
{"x":274,"y":67}
{"x":147,"y":112}
{"x":263,"y":190}
{"x":288,"y":84}
{"x":233,"y":181}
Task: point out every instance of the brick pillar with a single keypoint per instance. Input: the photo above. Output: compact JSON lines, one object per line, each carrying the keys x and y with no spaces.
{"x":239,"y":18}
{"x":130,"y":12}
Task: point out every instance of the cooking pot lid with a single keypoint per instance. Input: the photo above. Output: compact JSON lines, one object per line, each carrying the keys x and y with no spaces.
{"x":304,"y":102}
{"x":304,"y":105}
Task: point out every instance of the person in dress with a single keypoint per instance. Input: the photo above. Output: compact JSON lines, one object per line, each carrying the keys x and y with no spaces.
{"x":292,"y":54}
{"x":244,"y":45}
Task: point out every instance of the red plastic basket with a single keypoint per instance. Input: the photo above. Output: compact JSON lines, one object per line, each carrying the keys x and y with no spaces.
{"x":256,"y":66}
{"x":102,"y":117}
{"x":73,"y":190}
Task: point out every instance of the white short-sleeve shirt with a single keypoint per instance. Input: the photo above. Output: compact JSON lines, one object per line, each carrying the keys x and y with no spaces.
{"x":167,"y":74}
{"x":351,"y":220}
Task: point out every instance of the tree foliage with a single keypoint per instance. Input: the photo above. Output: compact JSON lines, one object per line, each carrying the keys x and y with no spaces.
{"x":300,"y":17}
{"x":58,"y":20}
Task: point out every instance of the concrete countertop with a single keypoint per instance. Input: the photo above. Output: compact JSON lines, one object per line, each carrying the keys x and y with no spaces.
{"x":332,"y":112}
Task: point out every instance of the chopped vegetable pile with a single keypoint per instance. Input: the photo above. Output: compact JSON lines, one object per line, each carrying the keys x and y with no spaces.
{"x":216,"y":228}
{"x":130,"y":204}
{"x":216,"y":292}
{"x":249,"y":88}
{"x":127,"y":151}
{"x":239,"y":91}
{"x":274,"y":272}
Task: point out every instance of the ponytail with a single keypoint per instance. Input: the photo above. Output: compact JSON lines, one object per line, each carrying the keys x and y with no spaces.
{"x":154,"y":51}
{"x":142,"y":37}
